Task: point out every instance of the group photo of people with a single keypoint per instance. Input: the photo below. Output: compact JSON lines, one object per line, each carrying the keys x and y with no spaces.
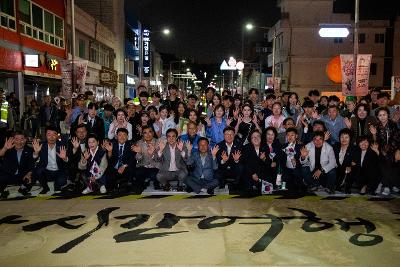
{"x":205,"y":144}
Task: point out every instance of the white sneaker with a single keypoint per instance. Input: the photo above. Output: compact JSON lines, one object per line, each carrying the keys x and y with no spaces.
{"x":103,"y":189}
{"x":87,"y":191}
{"x":378,"y":189}
{"x":395,"y":189}
{"x":386,"y":191}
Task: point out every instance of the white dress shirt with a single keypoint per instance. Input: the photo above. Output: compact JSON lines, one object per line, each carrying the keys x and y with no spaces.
{"x":52,"y":159}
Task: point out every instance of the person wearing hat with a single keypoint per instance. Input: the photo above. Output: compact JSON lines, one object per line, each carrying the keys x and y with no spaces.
{"x":351,"y":103}
{"x":79,"y":108}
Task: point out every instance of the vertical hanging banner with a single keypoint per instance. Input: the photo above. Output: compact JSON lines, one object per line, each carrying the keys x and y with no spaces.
{"x":146,"y":53}
{"x":360,"y":87}
{"x":79,"y":68}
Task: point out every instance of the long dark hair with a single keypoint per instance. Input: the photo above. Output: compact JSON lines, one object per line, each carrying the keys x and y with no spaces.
{"x":287,"y":107}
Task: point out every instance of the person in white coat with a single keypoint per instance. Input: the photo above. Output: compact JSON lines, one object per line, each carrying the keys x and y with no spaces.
{"x":319,"y":164}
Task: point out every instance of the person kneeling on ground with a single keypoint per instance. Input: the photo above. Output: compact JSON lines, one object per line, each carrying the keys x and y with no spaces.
{"x":204,"y":163}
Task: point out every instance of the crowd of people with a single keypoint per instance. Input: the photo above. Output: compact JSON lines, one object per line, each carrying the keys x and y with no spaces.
{"x":317,"y":143}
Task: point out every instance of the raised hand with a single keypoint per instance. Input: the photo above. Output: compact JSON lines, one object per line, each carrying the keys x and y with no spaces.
{"x":228,"y":122}
{"x":236,"y":155}
{"x":347,"y":122}
{"x":263,"y":156}
{"x":36,"y":146}
{"x":189,"y":146}
{"x":63,"y":153}
{"x":208,"y":120}
{"x":214,"y":151}
{"x":9,"y":144}
{"x":375,"y":147}
{"x":75,"y":142}
{"x":224,"y":156}
{"x":137,"y":149}
{"x":80,"y":120}
{"x":304,"y":152}
{"x":180,"y":146}
{"x":139,"y":128}
{"x":327,"y":135}
{"x":161,"y":145}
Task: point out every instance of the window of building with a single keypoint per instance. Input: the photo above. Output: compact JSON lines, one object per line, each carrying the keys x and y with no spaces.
{"x":7,"y":14}
{"x":82,"y":48}
{"x":373,"y":69}
{"x":379,"y":38}
{"x":41,"y":24}
{"x":361,"y":38}
{"x":25,"y":11}
{"x":99,"y":54}
{"x":337,"y":40}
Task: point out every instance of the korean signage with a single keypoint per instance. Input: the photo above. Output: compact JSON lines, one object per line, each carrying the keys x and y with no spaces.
{"x":360,"y":87}
{"x":146,"y":53}
{"x":108,"y":77}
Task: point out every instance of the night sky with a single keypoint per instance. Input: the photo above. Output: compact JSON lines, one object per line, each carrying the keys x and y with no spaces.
{"x":210,"y":31}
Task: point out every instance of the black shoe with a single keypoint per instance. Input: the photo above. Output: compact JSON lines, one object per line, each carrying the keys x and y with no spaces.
{"x":179,"y":188}
{"x":167,"y":187}
{"x":189,"y":190}
{"x":4,"y":194}
{"x":210,"y":191}
{"x":44,"y":191}
{"x":24,"y":191}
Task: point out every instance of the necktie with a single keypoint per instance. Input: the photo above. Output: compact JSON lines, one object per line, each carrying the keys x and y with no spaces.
{"x":121,"y":151}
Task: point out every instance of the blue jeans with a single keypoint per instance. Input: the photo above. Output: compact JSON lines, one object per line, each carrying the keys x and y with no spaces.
{"x":328,"y":179}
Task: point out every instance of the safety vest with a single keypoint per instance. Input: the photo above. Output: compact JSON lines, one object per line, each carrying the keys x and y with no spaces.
{"x":4,"y":112}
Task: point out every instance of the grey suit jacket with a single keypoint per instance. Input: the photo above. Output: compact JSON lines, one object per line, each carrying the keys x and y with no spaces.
{"x":165,"y":158}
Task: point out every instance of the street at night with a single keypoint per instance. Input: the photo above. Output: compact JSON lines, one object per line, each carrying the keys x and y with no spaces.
{"x":199,"y":133}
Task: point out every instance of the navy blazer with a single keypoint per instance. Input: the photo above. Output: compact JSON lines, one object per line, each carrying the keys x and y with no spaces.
{"x":43,"y":156}
{"x":370,"y":163}
{"x":207,"y":170}
{"x":236,"y":146}
{"x":11,"y":165}
{"x":128,"y":157}
{"x":97,"y":128}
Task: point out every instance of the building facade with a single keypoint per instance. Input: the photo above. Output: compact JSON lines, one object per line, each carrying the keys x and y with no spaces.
{"x":301,"y":55}
{"x":32,"y":44}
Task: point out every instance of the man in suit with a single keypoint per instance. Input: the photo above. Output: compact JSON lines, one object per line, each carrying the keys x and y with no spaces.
{"x":204,"y":163}
{"x":53,"y":161}
{"x":17,"y":164}
{"x":172,"y":156}
{"x":228,"y":158}
{"x":318,"y":164}
{"x":94,"y":124}
{"x":76,"y":146}
{"x":121,"y":160}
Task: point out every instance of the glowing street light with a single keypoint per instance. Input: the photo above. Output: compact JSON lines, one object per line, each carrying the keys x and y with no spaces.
{"x":249,"y":26}
{"x":166,"y":31}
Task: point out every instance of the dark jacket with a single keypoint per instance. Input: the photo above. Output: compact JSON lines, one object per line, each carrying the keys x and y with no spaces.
{"x":369,"y":168}
{"x":43,"y":156}
{"x":97,"y":128}
{"x":10,"y":162}
{"x":128,"y":156}
{"x":348,"y":157}
{"x":236,"y":146}
{"x":253,"y":163}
